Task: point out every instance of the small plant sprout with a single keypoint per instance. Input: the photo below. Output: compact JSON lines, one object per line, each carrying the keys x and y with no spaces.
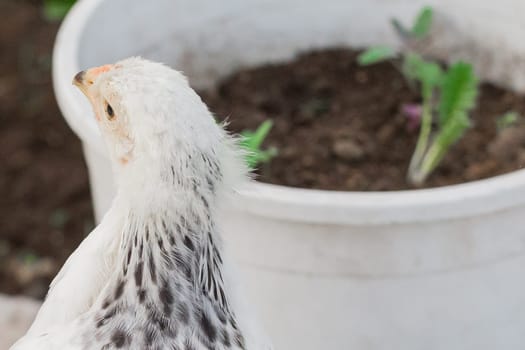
{"x":55,"y":10}
{"x":419,"y":30}
{"x":421,"y":26}
{"x":447,"y":98}
{"x":507,"y":120}
{"x":252,"y":141}
{"x":59,"y":218}
{"x":29,"y":258}
{"x":457,"y":89}
{"x":375,"y":55}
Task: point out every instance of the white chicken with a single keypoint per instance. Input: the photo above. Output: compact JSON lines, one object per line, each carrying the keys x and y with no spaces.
{"x":152,"y":275}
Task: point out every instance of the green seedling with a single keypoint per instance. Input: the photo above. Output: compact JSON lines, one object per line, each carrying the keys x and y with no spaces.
{"x":55,"y":10}
{"x":376,"y":55}
{"x":447,"y":97}
{"x":29,"y":258}
{"x":59,"y":218}
{"x":420,"y":29}
{"x":252,"y":141}
{"x":457,"y":89}
{"x":507,"y":120}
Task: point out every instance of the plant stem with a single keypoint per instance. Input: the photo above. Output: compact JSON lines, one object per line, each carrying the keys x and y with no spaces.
{"x":429,"y":163}
{"x":424,"y":135}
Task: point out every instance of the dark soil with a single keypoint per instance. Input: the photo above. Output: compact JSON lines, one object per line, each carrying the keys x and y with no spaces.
{"x":339,"y":126}
{"x":45,"y":206}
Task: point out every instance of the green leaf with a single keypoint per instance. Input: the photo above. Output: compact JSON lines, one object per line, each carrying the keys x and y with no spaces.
{"x":453,"y":130}
{"x":458,"y":92}
{"x":29,"y":258}
{"x":252,"y":141}
{"x":259,"y":156}
{"x":411,"y":64}
{"x":400,"y":29}
{"x":507,"y":120}
{"x":423,"y":23}
{"x":429,"y":74}
{"x":376,"y":55}
{"x":59,"y":218}
{"x":446,"y":137}
{"x":57,"y":9}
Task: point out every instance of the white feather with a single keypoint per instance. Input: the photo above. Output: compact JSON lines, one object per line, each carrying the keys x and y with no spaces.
{"x":175,"y":168}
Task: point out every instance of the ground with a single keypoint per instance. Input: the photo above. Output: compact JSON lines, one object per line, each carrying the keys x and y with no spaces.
{"x":45,"y":209}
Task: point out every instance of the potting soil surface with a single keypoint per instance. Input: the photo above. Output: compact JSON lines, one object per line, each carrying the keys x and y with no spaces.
{"x":339,"y":126}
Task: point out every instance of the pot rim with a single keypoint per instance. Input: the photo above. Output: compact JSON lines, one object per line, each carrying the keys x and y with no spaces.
{"x":472,"y":199}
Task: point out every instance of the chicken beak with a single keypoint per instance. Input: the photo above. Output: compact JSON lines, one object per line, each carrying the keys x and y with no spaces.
{"x":84,"y":79}
{"x":80,"y":81}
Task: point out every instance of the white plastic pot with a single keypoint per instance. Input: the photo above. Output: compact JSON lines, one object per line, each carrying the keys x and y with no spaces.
{"x":427,"y":269}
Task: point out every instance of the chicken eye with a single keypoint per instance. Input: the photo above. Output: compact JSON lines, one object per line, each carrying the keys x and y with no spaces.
{"x":110,"y":112}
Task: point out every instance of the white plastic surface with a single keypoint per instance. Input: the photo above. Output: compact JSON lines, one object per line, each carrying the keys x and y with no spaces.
{"x":429,"y":269}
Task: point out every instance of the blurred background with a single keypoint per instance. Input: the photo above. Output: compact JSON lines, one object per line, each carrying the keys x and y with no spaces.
{"x":45,"y":200}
